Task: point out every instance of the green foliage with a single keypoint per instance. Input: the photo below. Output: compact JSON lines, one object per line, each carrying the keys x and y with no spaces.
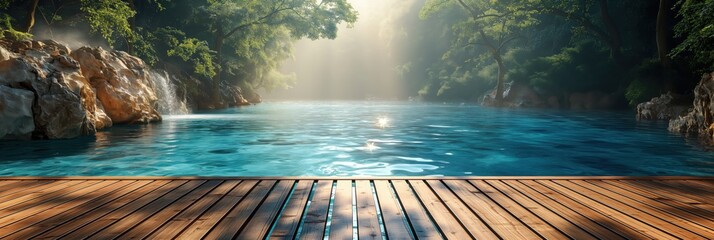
{"x":485,"y":31}
{"x":258,"y":34}
{"x":5,"y":3}
{"x":641,"y":90}
{"x":6,"y":29}
{"x":582,"y":68}
{"x":198,"y":53}
{"x":109,"y":18}
{"x":697,"y":29}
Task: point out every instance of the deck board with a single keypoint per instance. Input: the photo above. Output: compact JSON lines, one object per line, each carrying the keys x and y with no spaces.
{"x":229,"y":226}
{"x":289,"y":222}
{"x":342,"y":215}
{"x":315,"y":221}
{"x":423,"y":208}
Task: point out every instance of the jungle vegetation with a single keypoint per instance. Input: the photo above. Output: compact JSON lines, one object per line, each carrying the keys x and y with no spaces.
{"x":459,"y":49}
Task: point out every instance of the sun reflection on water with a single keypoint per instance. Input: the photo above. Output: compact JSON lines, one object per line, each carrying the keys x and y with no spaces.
{"x":382,"y":122}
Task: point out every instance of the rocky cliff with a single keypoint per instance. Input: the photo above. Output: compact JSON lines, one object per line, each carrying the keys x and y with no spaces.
{"x":665,"y":107}
{"x":49,"y":91}
{"x":700,"y":120}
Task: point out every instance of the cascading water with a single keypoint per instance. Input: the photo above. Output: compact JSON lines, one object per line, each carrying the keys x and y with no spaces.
{"x":169,"y":103}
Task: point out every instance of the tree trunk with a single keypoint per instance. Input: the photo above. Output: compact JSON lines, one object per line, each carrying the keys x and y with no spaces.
{"x":132,"y":26}
{"x":500,"y":85}
{"x":32,"y":8}
{"x":662,"y":35}
{"x":219,"y":59}
{"x":615,"y":39}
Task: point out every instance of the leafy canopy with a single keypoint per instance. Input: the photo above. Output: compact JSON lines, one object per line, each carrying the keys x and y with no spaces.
{"x":697,"y":28}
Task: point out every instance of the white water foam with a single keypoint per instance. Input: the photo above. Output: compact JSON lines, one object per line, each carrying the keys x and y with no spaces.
{"x":169,"y":103}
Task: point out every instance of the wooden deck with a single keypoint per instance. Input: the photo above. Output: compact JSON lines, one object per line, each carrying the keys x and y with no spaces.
{"x":377,"y":208}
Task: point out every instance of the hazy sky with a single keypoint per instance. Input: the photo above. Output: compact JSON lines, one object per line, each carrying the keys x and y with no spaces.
{"x":360,"y":63}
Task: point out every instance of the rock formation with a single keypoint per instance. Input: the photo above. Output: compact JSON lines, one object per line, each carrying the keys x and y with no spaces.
{"x":194,"y":91}
{"x":700,"y":120}
{"x":122,"y":84}
{"x":517,"y":95}
{"x":665,"y":107}
{"x":48,"y":91}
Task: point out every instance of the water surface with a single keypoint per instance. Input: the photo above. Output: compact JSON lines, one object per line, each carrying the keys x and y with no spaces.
{"x":341,"y":139}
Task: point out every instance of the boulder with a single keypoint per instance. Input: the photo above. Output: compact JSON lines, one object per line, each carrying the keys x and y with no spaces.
{"x":665,"y":107}
{"x":59,"y":110}
{"x":5,"y":54}
{"x":46,"y":87}
{"x":16,"y":71}
{"x":699,"y":121}
{"x":16,"y":118}
{"x":122,"y":84}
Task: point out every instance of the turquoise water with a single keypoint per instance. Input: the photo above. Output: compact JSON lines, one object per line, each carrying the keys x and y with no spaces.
{"x":342,"y":139}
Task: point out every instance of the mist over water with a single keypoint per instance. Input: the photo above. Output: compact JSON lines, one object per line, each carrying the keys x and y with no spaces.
{"x":363,"y":62}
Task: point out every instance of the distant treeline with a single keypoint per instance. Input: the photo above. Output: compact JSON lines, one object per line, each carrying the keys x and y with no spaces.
{"x":236,"y":42}
{"x":638,"y":49}
{"x":459,"y":49}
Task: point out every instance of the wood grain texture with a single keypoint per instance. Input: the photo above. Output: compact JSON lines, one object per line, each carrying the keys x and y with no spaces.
{"x":410,"y":207}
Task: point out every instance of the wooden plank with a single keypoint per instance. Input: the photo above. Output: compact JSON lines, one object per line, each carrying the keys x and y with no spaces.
{"x":591,"y":221}
{"x":470,"y":220}
{"x":89,"y":216}
{"x":422,"y":226}
{"x":690,"y":191}
{"x":213,"y":215}
{"x":3,"y":183}
{"x":624,"y":219}
{"x":177,"y":224}
{"x":24,"y":210}
{"x":707,"y":178}
{"x":147,"y":226}
{"x":316,"y":217}
{"x":13,"y":186}
{"x":671,"y":193}
{"x":287,"y":225}
{"x":262,"y":221}
{"x":497,"y":198}
{"x":636,"y":211}
{"x":561,"y":208}
{"x":341,"y":225}
{"x":73,"y":213}
{"x":676,"y":216}
{"x":700,"y":188}
{"x":111,"y":228}
{"x":395,"y":224}
{"x":704,"y":184}
{"x":676,"y":201}
{"x":367,"y":219}
{"x":232,"y":222}
{"x":38,"y":191}
{"x":448,"y":224}
{"x":57,"y":207}
{"x":119,"y":213}
{"x":548,"y":215}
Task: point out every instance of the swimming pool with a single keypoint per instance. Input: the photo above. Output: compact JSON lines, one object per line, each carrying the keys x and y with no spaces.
{"x":345,"y":139}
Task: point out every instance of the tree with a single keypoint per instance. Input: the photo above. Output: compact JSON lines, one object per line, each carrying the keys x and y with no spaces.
{"x":32,"y":8}
{"x":663,"y":32}
{"x":302,"y":18}
{"x":493,"y":25}
{"x":697,"y":29}
{"x":582,"y":13}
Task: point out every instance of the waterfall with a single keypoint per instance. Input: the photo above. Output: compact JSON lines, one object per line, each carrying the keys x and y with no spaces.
{"x":169,"y":103}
